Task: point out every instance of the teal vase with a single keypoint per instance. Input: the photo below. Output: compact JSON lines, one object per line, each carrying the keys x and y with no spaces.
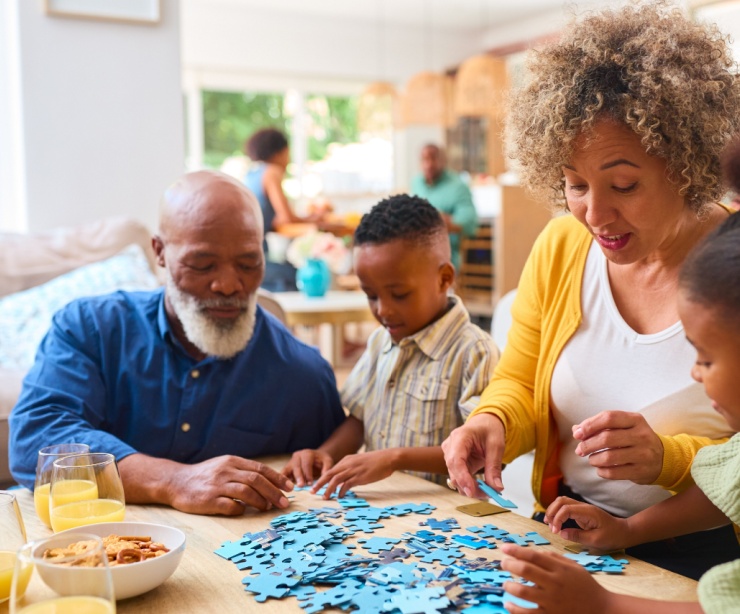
{"x":314,"y":277}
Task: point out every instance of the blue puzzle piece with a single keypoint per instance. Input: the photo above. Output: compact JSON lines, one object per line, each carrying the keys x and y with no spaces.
{"x":334,"y":597}
{"x":489,"y":530}
{"x":366,"y":513}
{"x":496,"y":496}
{"x":445,"y":525}
{"x":366,"y":526}
{"x":269,"y":585}
{"x":445,"y":556}
{"x":429,"y":600}
{"x":528,"y":538}
{"x":472,"y":542}
{"x":425,"y":536}
{"x":371,"y":599}
{"x":377,"y":544}
{"x":408,"y":508}
{"x":353,"y":501}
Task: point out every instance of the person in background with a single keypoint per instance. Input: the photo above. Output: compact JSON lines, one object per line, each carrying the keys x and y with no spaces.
{"x":449,"y":194}
{"x":423,"y":370}
{"x":622,"y":124}
{"x":186,"y":383}
{"x":709,"y":304}
{"x":268,"y":149}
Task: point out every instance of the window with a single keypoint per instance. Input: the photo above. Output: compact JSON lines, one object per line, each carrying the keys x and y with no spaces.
{"x":331,"y":157}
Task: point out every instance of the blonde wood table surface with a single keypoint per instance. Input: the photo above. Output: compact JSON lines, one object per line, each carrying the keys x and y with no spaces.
{"x":204,"y":582}
{"x":335,"y":308}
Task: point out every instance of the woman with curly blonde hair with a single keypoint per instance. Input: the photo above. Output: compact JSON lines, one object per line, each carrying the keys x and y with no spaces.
{"x":622,"y":124}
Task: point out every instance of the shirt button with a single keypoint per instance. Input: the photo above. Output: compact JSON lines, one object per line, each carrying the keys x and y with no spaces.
{"x":195,"y":374}
{"x":391,"y":383}
{"x":185,"y":427}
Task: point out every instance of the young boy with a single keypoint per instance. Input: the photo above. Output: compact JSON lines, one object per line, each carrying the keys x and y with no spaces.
{"x":424,"y":369}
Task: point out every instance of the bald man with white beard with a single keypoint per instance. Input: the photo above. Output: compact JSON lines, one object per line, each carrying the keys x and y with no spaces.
{"x":186,"y":384}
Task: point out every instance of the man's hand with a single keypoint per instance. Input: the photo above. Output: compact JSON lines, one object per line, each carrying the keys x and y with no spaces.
{"x":561,"y":585}
{"x":599,"y":529}
{"x":222,"y":485}
{"x":478,"y":444}
{"x":306,"y":465}
{"x":354,"y":470}
{"x":621,"y":445}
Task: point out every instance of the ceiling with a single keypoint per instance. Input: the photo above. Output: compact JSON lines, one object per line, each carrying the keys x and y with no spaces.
{"x":447,"y":14}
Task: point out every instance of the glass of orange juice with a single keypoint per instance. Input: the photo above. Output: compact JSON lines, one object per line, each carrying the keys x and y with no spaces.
{"x":64,"y":580}
{"x":44,"y":465}
{"x":85,"y":489}
{"x":12,"y":537}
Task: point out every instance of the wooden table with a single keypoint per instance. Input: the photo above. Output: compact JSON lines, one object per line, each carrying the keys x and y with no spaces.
{"x":335,"y":308}
{"x":204,"y":582}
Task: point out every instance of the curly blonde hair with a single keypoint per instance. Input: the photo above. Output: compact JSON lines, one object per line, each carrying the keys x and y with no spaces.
{"x":646,"y":66}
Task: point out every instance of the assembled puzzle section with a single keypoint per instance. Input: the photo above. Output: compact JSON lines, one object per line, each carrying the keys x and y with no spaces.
{"x":302,"y":555}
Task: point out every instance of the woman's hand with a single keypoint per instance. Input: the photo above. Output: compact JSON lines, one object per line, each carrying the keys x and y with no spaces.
{"x":599,"y":529}
{"x":354,"y":470}
{"x":478,"y":444}
{"x":621,"y":445}
{"x":304,"y":465}
{"x":561,"y":585}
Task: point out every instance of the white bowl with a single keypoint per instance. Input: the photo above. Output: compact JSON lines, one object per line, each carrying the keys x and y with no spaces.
{"x":131,"y":579}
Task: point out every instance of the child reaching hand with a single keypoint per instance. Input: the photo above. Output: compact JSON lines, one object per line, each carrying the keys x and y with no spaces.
{"x":709,"y":306}
{"x":423,"y":371}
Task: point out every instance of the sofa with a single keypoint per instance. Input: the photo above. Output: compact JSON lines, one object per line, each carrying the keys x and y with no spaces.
{"x":41,"y":272}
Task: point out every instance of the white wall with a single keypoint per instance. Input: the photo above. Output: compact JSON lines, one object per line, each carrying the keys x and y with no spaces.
{"x":102,"y":122}
{"x":12,"y":172}
{"x":290,"y":49}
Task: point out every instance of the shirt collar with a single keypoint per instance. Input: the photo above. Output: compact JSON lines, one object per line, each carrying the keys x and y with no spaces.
{"x":163,"y":323}
{"x":436,"y":339}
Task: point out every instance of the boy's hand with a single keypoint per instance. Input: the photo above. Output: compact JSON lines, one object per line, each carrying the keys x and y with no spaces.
{"x":561,"y":585}
{"x":356,"y":469}
{"x":304,"y":465}
{"x":599,"y":529}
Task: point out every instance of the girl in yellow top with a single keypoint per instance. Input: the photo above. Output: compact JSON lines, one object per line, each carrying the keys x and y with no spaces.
{"x":623,"y":122}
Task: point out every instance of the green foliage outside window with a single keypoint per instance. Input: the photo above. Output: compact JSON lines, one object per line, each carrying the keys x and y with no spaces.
{"x":230,"y":118}
{"x":333,"y":119}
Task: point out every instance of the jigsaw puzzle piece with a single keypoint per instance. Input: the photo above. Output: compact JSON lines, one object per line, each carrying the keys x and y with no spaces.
{"x":496,"y":496}
{"x":377,"y":544}
{"x":473,"y":542}
{"x":267,"y":585}
{"x":429,"y":600}
{"x":445,"y":525}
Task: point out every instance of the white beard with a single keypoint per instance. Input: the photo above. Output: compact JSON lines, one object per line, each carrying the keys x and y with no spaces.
{"x":223,"y":339}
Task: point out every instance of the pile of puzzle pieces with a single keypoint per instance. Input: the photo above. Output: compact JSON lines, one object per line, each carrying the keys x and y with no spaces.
{"x":302,"y":550}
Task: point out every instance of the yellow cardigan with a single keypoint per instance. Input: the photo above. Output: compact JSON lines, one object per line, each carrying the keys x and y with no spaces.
{"x":546,"y":313}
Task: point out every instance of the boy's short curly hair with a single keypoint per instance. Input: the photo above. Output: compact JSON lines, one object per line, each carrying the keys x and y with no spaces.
{"x":401,"y":216}
{"x":265,"y":143}
{"x":647,"y":66}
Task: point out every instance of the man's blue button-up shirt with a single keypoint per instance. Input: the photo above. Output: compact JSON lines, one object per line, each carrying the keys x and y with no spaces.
{"x":110,"y":373}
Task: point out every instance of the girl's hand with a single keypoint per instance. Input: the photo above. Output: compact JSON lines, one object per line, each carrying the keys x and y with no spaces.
{"x":561,"y":585}
{"x":599,"y":529}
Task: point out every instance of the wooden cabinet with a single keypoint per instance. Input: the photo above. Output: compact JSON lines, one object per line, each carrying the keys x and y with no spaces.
{"x":492,"y":261}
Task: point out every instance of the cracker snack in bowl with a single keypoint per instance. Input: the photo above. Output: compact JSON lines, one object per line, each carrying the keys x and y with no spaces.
{"x":141,"y":555}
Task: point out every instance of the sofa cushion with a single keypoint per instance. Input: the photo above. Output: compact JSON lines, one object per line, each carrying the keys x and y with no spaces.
{"x":28,"y":260}
{"x":26,"y":316}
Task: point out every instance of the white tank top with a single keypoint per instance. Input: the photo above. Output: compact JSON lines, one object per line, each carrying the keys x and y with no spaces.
{"x":606,"y":366}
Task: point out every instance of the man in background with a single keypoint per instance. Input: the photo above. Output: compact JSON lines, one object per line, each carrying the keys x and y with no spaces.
{"x":448,"y":194}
